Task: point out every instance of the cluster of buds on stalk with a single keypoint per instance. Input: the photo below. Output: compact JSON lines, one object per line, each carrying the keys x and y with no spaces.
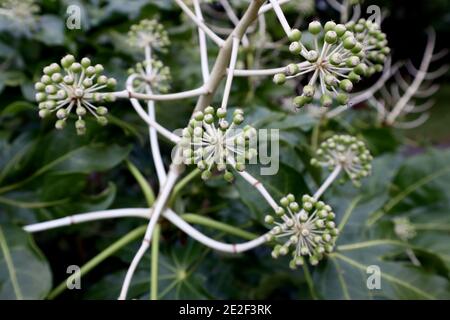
{"x":374,"y":44}
{"x":307,"y":229}
{"x":21,"y":11}
{"x":404,"y":229}
{"x":158,"y":77}
{"x":148,"y":33}
{"x":347,"y":152}
{"x":74,"y":86}
{"x":211,"y":142}
{"x":336,"y":60}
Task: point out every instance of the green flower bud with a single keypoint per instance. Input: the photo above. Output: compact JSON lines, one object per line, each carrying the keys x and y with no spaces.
{"x":349,"y":43}
{"x":206,"y":175}
{"x":228,"y":176}
{"x":60,"y":124}
{"x":315,"y":27}
{"x":301,"y":101}
{"x":221,"y":113}
{"x":329,"y":26}
{"x":209,"y":110}
{"x":76,"y":67}
{"x":102,"y":111}
{"x":331,"y":37}
{"x":40,"y":96}
{"x":346,"y":85}
{"x":340,"y":30}
{"x":295,"y":35}
{"x":295,"y":47}
{"x":67,"y":61}
{"x":39,"y":86}
{"x":279,"y":78}
{"x":342,"y":99}
{"x":326,"y":100}
{"x":81,"y":111}
{"x":292,"y":69}
{"x":44,"y":113}
{"x":353,"y":77}
{"x":111,"y":83}
{"x":102,"y":121}
{"x":269,"y":219}
{"x":309,"y":91}
{"x":361,"y":69}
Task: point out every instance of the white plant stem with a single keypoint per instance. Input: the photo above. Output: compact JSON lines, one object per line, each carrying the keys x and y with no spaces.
{"x":280,"y":15}
{"x":260,"y":188}
{"x":326,"y":184}
{"x":200,"y":24}
{"x":264,"y":72}
{"x":233,"y":18}
{"x":269,"y":6}
{"x":259,"y":73}
{"x":413,"y":124}
{"x":403,"y":102}
{"x":157,"y":210}
{"x":153,"y":135}
{"x":209,"y":242}
{"x":202,"y":43}
{"x":146,"y":213}
{"x":143,"y":114}
{"x":230,"y":75}
{"x":217,"y":73}
{"x":88,"y":217}
{"x":127,"y":94}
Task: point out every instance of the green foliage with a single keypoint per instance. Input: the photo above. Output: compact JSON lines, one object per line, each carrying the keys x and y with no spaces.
{"x":46,"y":175}
{"x":24,"y":272}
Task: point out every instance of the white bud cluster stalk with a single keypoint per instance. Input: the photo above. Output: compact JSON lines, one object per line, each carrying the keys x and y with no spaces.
{"x":210,"y":141}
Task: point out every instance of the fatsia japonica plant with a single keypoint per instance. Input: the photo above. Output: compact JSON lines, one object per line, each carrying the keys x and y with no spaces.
{"x":317,"y":221}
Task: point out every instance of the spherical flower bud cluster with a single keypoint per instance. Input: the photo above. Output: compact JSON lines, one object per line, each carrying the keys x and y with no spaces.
{"x":334,"y":63}
{"x":74,"y":86}
{"x":21,"y":11}
{"x":374,"y":43}
{"x":306,"y":230}
{"x":148,"y":33}
{"x":212,"y":143}
{"x":158,"y":77}
{"x":404,"y":229}
{"x":347,"y":152}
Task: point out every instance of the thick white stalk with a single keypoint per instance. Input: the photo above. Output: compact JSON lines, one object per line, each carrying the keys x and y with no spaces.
{"x":335,"y":5}
{"x":269,"y":6}
{"x":143,"y":114}
{"x":154,"y":144}
{"x":127,"y":94}
{"x":202,"y":43}
{"x":264,"y":72}
{"x":260,"y":72}
{"x":260,"y":187}
{"x":234,"y":19}
{"x":230,"y":75}
{"x":413,"y":124}
{"x":402,"y":103}
{"x":209,"y":242}
{"x":214,"y":37}
{"x":157,"y":210}
{"x":146,"y":213}
{"x":333,"y":175}
{"x":280,"y":15}
{"x":87,"y":217}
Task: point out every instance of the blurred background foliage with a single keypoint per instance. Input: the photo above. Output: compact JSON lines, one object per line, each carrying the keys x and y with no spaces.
{"x":45,"y":174}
